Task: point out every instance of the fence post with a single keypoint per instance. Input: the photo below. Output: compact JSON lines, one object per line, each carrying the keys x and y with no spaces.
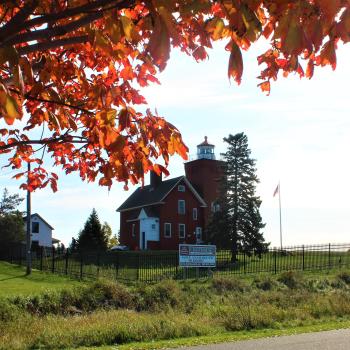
{"x":275,"y":260}
{"x":66,"y":263}
{"x":81,"y":266}
{"x":303,"y":257}
{"x":329,"y":256}
{"x":53,"y":260}
{"x":41,"y":257}
{"x":138,"y":266}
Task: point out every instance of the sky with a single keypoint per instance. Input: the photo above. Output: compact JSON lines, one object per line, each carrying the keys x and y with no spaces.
{"x":299,"y":136}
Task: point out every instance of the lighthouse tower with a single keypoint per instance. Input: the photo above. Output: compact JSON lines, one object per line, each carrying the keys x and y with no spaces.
{"x":205,"y":173}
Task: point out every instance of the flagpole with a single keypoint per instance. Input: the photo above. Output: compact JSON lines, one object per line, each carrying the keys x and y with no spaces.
{"x":279,"y":197}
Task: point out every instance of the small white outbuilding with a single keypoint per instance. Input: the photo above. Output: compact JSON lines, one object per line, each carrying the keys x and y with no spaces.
{"x":41,"y":231}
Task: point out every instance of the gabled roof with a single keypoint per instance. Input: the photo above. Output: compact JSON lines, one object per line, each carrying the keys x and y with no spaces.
{"x":146,"y":196}
{"x":44,"y":221}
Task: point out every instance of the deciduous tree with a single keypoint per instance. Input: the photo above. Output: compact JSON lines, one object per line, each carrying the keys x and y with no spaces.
{"x":71,"y":71}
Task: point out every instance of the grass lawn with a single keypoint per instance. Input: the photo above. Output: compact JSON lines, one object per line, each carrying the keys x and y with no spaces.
{"x":13,"y":281}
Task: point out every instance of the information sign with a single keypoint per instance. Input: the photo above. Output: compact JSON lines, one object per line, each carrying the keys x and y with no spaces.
{"x":196,"y":255}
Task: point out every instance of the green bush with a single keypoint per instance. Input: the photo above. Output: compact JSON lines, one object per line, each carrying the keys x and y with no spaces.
{"x":344,"y":276}
{"x":162,"y":295}
{"x":229,"y":284}
{"x":101,"y":294}
{"x":266,"y":283}
{"x":291,"y":279}
{"x":8,"y":311}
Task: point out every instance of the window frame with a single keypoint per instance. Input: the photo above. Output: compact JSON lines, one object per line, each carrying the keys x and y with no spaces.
{"x":195,"y":217}
{"x":199,"y":228}
{"x":37,"y":224}
{"x":167,"y":224}
{"x":184,"y":230}
{"x":181,"y":188}
{"x":133,"y":230}
{"x":184,"y":207}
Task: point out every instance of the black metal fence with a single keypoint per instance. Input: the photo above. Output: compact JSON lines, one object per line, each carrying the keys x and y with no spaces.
{"x":157,"y":265}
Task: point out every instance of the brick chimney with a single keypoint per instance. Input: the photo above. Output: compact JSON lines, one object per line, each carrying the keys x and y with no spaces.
{"x":155,"y":180}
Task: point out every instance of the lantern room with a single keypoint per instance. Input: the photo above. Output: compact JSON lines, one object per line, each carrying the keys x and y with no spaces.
{"x":205,"y":150}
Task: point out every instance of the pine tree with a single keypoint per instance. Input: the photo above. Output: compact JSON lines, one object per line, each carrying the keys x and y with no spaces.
{"x":11,"y":220}
{"x":238,"y":224}
{"x":91,"y":237}
{"x":9,"y":203}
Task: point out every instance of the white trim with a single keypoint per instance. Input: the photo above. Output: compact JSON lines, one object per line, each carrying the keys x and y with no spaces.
{"x":133,"y":220}
{"x":184,"y":226}
{"x":140,"y":206}
{"x":167,"y":223}
{"x":195,"y":192}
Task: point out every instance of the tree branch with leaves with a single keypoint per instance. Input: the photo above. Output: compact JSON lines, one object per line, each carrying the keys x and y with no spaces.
{"x":77,"y":69}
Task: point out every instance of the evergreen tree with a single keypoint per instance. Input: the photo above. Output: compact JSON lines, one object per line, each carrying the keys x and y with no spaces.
{"x":237,"y":225}
{"x":9,"y":203}
{"x":91,"y":237}
{"x":11,"y":220}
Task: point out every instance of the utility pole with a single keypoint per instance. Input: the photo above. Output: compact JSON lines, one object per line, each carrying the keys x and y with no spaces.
{"x":28,"y":233}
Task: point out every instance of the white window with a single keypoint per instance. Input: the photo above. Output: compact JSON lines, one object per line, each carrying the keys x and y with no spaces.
{"x":199,"y":234}
{"x":181,"y":207}
{"x":181,"y":188}
{"x":153,"y":226}
{"x":182,"y":231}
{"x":195,"y":214}
{"x":167,"y":230}
{"x":133,"y":230}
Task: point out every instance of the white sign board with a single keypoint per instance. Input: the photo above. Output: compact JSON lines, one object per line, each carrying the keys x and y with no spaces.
{"x":195,"y":255}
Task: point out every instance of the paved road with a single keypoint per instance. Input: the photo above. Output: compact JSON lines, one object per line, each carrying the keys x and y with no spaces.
{"x":330,"y":340}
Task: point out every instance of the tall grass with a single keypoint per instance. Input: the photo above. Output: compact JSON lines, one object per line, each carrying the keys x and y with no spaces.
{"x":106,"y":313}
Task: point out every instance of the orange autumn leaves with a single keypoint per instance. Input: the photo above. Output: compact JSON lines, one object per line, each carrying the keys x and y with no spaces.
{"x":77,"y":70}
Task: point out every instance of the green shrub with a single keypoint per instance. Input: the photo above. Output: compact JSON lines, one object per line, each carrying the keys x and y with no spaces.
{"x":291,"y":279}
{"x":266,"y":283}
{"x":101,"y":294}
{"x":344,"y":276}
{"x":159,"y":296}
{"x":8,"y":311}
{"x":229,"y":284}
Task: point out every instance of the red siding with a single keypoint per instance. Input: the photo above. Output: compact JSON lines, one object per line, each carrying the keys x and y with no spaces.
{"x":126,"y":237}
{"x":205,"y":175}
{"x":169,"y":213}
